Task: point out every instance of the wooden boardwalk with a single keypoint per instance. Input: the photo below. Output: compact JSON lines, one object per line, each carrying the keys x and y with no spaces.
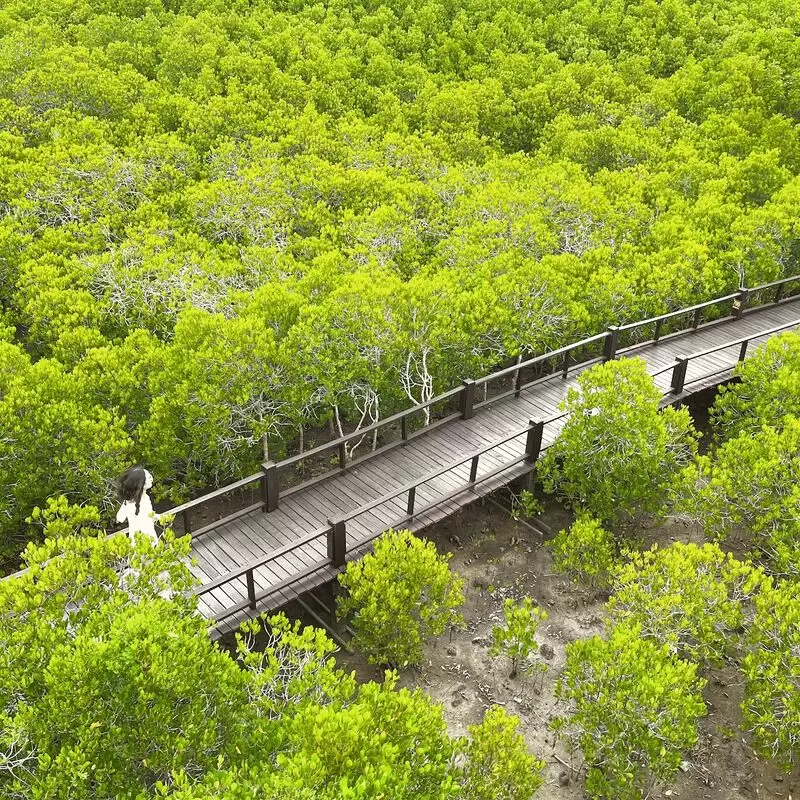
{"x":334,"y":518}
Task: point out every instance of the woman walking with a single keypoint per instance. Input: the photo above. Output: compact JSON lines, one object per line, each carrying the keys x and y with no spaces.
{"x":136,"y":508}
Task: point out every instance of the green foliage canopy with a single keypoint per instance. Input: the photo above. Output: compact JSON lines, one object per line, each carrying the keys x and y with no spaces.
{"x":585,"y":551}
{"x":113,"y":688}
{"x":751,"y":481}
{"x":617,"y":455}
{"x":771,"y":704}
{"x":636,"y":710}
{"x":687,"y":596}
{"x":516,"y":639}
{"x":769,"y":390}
{"x":398,"y":597}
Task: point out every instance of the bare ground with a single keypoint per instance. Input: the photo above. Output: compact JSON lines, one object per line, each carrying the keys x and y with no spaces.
{"x":500,"y":558}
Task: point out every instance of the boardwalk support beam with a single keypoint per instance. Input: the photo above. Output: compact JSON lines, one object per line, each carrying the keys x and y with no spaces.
{"x":610,"y":346}
{"x":467,"y":398}
{"x":533,"y":444}
{"x":337,"y":542}
{"x":269,"y":486}
{"x":679,"y":374}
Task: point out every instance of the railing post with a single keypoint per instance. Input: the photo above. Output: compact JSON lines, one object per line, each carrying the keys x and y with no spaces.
{"x":779,"y":293}
{"x":187,"y":524}
{"x":337,"y":542}
{"x":404,"y":428}
{"x":251,"y":588}
{"x":657,"y":334}
{"x":743,"y":350}
{"x":269,"y":486}
{"x":412,"y":496}
{"x":740,"y":303}
{"x":518,"y":384}
{"x":467,"y":398}
{"x":473,"y":470}
{"x":696,"y":320}
{"x":533,"y":444}
{"x":610,"y":345}
{"x":565,"y":368}
{"x":679,"y":374}
{"x":342,"y":455}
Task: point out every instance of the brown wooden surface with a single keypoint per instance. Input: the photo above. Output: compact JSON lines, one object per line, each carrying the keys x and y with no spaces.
{"x":258,"y":534}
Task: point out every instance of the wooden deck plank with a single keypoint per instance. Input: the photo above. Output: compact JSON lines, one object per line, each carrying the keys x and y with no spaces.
{"x":415,"y":464}
{"x":213,"y":567}
{"x":278,"y":539}
{"x":390,"y":481}
{"x":245,"y":555}
{"x":300,"y":517}
{"x":425,"y":462}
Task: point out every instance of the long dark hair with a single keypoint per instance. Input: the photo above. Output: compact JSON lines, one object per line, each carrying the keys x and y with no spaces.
{"x":131,"y":485}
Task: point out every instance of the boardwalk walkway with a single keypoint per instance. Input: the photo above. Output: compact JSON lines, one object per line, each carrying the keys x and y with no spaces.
{"x":337,"y":516}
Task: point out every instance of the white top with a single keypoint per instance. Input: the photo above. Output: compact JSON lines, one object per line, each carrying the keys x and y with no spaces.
{"x":144,"y":521}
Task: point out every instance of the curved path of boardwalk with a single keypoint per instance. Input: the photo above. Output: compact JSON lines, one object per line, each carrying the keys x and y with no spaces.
{"x":253,"y":560}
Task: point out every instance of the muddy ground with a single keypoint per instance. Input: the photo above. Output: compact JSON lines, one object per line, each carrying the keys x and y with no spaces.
{"x":500,"y":558}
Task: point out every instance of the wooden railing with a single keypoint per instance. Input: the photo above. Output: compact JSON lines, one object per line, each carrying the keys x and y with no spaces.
{"x":560,"y":362}
{"x":335,"y":532}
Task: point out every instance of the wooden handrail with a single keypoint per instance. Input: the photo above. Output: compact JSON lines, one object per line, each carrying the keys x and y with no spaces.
{"x":661,"y":371}
{"x":240,"y":572}
{"x":243,"y":571}
{"x":515,"y":368}
{"x":680,"y":312}
{"x":334,"y":443}
{"x":772,"y":284}
{"x":223,"y":490}
{"x":506,"y":465}
{"x":679,"y":369}
{"x":255,"y":597}
{"x":529,"y":362}
{"x":733,"y":296}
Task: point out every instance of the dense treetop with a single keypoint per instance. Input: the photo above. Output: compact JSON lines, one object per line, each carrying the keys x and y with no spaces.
{"x":225,"y":221}
{"x":112,"y":688}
